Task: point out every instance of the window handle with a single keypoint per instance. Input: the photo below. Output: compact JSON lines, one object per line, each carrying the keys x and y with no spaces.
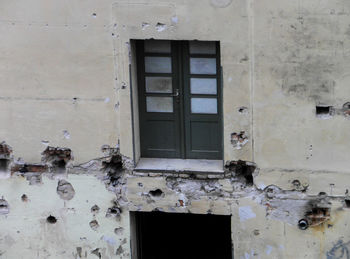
{"x":176,"y":94}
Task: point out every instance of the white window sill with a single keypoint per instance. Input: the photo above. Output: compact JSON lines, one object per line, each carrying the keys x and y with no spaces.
{"x":180,"y":165}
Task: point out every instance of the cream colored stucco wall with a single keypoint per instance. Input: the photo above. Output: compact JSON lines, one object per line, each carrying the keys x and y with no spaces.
{"x":65,"y":82}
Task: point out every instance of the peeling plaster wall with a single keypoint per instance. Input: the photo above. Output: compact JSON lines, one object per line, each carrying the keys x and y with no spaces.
{"x":65,"y":82}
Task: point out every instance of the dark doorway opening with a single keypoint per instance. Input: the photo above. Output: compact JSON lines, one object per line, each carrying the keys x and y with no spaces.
{"x":158,"y":235}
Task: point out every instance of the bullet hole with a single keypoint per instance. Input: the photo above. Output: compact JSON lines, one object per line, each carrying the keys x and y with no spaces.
{"x":95,"y":209}
{"x":5,"y":156}
{"x":96,"y":252}
{"x":303,"y":224}
{"x":119,"y":231}
{"x":57,"y":158}
{"x":156,"y":193}
{"x":243,"y":110}
{"x":245,"y":58}
{"x":238,"y":140}
{"x":296,"y":184}
{"x":113,"y":212}
{"x":65,"y":190}
{"x":94,"y":224}
{"x":347,"y":203}
{"x":24,"y":198}
{"x":94,"y":15}
{"x":51,"y":219}
{"x":256,"y":232}
{"x":4,"y":165}
{"x":79,"y":251}
{"x":116,"y":106}
{"x":144,"y":25}
{"x":140,"y":184}
{"x":4,"y":207}
{"x":322,"y":194}
{"x":66,"y":134}
{"x":120,"y":250}
{"x":160,"y":27}
{"x":5,"y":150}
{"x":324,"y":111}
{"x":112,"y":165}
{"x":346,"y":109}
{"x":45,"y":142}
{"x":242,"y":170}
{"x":61,"y":164}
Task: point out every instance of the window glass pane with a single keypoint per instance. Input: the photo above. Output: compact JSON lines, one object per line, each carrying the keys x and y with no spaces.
{"x":202,"y":47}
{"x":203,"y":86}
{"x":157,"y":64}
{"x":157,"y":46}
{"x":158,"y":84}
{"x":204,"y":105}
{"x":159,"y":104}
{"x":203,"y":66}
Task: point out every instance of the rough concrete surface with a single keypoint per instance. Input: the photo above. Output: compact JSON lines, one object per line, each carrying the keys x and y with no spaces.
{"x":66,"y":89}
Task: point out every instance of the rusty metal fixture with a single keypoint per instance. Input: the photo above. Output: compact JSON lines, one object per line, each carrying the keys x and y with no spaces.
{"x":303,"y":224}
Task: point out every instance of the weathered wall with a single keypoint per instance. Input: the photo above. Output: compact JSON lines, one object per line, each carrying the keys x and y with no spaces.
{"x":65,"y":82}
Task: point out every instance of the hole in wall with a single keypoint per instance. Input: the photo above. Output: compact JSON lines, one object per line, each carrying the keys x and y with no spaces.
{"x":4,"y":164}
{"x":24,"y":198}
{"x":96,"y":252}
{"x":57,"y":158}
{"x":51,"y":219}
{"x":59,"y":165}
{"x":65,"y":190}
{"x":324,"y":111}
{"x":347,"y":203}
{"x":4,"y":207}
{"x":243,"y":170}
{"x":156,"y":193}
{"x":95,"y":209}
{"x":94,"y":224}
{"x":346,"y":109}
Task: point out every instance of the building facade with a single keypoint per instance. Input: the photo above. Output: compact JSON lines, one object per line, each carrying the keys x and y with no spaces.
{"x":128,"y":125}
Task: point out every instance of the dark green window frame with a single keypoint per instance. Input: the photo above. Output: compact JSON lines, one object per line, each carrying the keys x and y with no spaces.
{"x":183,"y":126}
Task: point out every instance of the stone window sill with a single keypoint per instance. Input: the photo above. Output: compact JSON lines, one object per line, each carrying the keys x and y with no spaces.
{"x":180,"y":165}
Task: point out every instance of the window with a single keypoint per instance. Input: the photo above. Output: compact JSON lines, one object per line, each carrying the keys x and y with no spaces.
{"x":179,"y":99}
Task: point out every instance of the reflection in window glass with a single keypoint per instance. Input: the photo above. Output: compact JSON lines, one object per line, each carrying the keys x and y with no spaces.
{"x":203,"y":66}
{"x":204,"y":105}
{"x":158,"y":84}
{"x":157,"y":46}
{"x":157,"y":64}
{"x":203,"y":85}
{"x":159,"y":104}
{"x":202,"y":47}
